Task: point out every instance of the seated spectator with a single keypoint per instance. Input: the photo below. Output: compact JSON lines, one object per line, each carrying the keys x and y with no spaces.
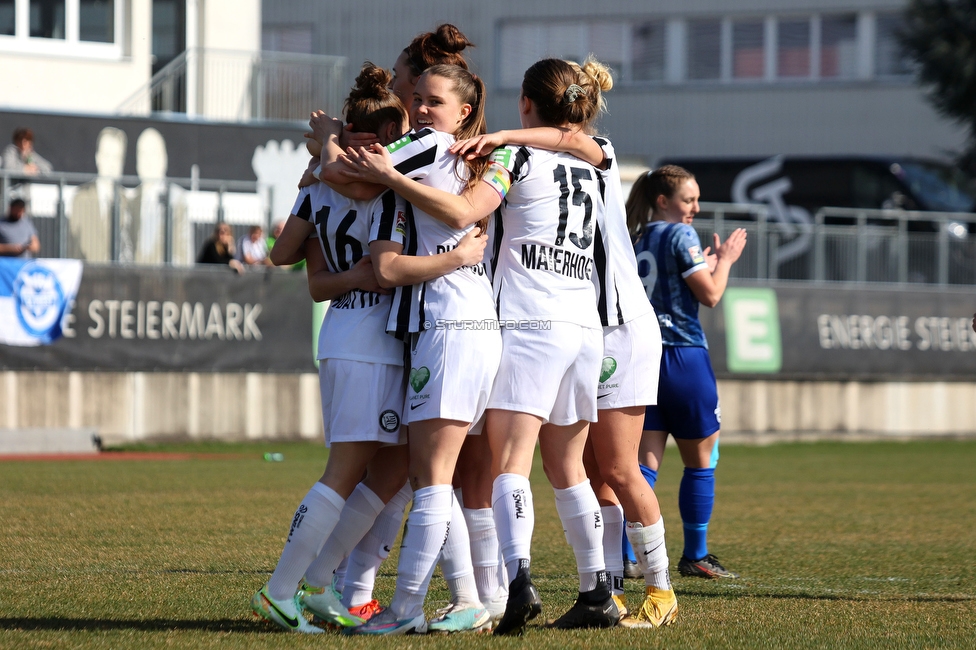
{"x":252,"y":249}
{"x":219,"y":249}
{"x":21,"y":157}
{"x":18,"y":238}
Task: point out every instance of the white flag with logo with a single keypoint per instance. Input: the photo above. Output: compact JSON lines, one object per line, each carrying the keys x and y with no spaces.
{"x":35,"y":295}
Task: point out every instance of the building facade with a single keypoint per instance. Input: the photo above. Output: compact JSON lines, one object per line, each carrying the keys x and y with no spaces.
{"x":702,"y":78}
{"x":91,"y":56}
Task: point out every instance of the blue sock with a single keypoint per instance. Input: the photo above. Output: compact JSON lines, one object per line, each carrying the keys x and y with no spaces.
{"x":696,"y":497}
{"x":650,"y":475}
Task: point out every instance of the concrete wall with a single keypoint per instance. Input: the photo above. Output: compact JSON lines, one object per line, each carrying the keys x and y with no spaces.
{"x":129,"y":407}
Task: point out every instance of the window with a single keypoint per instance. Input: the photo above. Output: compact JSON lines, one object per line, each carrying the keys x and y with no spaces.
{"x":7,"y":17}
{"x":704,"y":49}
{"x":715,"y":49}
{"x":287,"y":38}
{"x":793,"y":49}
{"x":96,"y":21}
{"x":748,"y":41}
{"x":838,"y":47}
{"x":647,"y":61}
{"x":85,"y":28}
{"x":607,"y":43}
{"x":889,"y":56}
{"x":47,"y":19}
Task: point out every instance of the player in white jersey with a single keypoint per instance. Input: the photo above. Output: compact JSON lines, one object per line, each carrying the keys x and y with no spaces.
{"x":463,"y":559}
{"x":361,"y":374}
{"x":628,"y":377}
{"x":551,"y":333}
{"x":453,"y":337}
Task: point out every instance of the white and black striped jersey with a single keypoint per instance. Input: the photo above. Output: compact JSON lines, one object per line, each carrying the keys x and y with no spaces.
{"x":464,"y":295}
{"x":354,"y":327}
{"x":545,"y":264}
{"x":619,"y":291}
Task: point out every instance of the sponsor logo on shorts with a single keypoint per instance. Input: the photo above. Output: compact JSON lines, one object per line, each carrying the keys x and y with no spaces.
{"x":419,"y":378}
{"x":389,"y":421}
{"x":609,"y":367}
{"x":416,"y":406}
{"x":606,"y":371}
{"x":718,"y":412}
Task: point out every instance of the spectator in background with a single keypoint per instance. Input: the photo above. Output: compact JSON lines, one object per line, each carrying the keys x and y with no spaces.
{"x":219,"y":249}
{"x":252,"y":249}
{"x":18,"y":238}
{"x":21,"y":157}
{"x":275,"y":233}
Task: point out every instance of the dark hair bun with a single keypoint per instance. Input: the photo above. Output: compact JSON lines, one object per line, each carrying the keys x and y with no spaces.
{"x":449,"y":39}
{"x":371,"y":83}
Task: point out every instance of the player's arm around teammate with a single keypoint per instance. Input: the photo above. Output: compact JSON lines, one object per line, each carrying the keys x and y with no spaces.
{"x":632,"y":343}
{"x":678,"y":276}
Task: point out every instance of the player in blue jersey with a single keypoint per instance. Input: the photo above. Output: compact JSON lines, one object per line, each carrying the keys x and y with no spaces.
{"x":678,"y":275}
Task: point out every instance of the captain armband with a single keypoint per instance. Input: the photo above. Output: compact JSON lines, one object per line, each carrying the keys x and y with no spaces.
{"x":499,"y":178}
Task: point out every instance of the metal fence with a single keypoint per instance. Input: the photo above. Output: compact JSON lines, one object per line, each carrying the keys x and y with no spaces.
{"x":848,"y":245}
{"x":129,"y":220}
{"x":242,"y":86}
{"x":132,"y":220}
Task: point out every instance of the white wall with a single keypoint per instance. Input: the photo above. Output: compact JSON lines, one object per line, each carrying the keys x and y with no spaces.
{"x":52,"y":76}
{"x":76,"y":82}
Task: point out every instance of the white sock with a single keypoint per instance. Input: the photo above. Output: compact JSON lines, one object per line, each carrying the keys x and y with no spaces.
{"x":651,"y":553}
{"x":356,"y":519}
{"x":580,"y":514}
{"x":511,"y":504}
{"x":455,"y":560}
{"x":366,"y":558}
{"x":423,"y":540}
{"x":613,"y":531}
{"x":339,"y":581}
{"x":484,"y":550}
{"x":312,"y":524}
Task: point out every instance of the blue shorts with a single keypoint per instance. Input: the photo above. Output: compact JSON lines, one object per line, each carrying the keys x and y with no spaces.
{"x":687,"y":397}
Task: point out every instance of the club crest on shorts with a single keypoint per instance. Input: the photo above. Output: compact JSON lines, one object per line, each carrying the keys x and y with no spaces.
{"x":609,"y":367}
{"x":389,"y":421}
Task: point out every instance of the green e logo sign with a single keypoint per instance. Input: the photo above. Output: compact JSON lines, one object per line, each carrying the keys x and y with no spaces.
{"x":752,"y":330}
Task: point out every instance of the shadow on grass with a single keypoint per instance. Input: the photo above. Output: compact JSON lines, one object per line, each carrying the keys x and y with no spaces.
{"x":146,"y":625}
{"x":854,"y":598}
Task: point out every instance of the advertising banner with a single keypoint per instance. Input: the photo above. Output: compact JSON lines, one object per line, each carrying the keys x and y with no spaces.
{"x":34,"y":297}
{"x":206,"y":320}
{"x":794,"y":331}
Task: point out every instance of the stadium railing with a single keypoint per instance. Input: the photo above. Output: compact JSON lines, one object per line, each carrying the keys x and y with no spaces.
{"x":847,"y":244}
{"x":166,"y":221}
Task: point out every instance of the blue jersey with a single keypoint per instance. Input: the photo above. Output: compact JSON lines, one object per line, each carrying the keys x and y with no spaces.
{"x":667,"y":253}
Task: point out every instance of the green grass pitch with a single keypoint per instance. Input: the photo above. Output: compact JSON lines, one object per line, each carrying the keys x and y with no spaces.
{"x":867,"y":545}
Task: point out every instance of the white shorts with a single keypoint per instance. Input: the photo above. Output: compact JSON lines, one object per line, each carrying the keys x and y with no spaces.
{"x":361,"y":402}
{"x":631,"y":364}
{"x":549,"y":373}
{"x":451,"y":374}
